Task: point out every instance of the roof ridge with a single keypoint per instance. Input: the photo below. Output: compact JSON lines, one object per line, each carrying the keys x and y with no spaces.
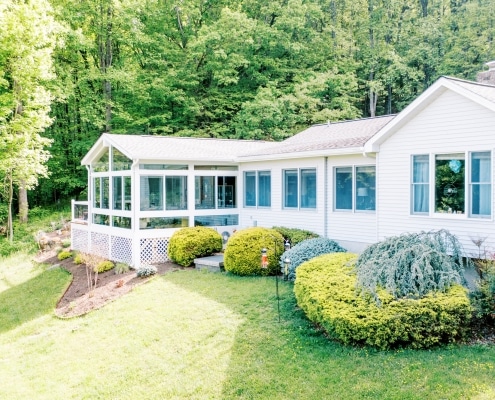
{"x":354,"y":120}
{"x":474,"y":83}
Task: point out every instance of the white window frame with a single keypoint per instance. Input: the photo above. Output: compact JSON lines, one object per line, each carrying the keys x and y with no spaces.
{"x":299,"y":188}
{"x":354,"y":190}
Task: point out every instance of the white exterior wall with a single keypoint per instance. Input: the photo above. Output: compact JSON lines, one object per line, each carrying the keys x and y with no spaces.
{"x":450,"y":124}
{"x":354,"y":230}
{"x":276,"y":215}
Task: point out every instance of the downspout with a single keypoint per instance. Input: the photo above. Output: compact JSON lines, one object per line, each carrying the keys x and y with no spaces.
{"x":325,"y":199}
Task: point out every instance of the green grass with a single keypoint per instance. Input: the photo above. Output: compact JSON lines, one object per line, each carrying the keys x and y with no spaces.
{"x":198,"y":335}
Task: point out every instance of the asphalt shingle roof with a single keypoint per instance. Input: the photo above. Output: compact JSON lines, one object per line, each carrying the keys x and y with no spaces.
{"x":480,"y":89}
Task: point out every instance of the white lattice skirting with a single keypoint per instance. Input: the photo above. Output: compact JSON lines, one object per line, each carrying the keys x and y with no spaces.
{"x":117,"y":248}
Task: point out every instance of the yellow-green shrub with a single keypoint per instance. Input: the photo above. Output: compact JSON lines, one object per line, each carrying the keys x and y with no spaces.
{"x":78,"y":259}
{"x":64,"y":254}
{"x":325,"y":289}
{"x":242,"y":255}
{"x":186,"y":244}
{"x":104,"y":266}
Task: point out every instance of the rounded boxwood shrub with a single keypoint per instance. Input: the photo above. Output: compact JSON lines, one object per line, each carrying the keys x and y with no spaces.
{"x":104,"y":266}
{"x":325,"y":289}
{"x":64,"y":254}
{"x":295,"y":235}
{"x":242,"y":255}
{"x":186,"y":244}
{"x":306,"y":250}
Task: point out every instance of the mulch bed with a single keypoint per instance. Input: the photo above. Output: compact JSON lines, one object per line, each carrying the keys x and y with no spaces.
{"x":77,"y":300}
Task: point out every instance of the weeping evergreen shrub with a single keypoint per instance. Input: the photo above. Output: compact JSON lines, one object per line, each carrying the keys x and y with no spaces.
{"x":307,"y":250}
{"x":411,"y":265}
{"x":189,"y":243}
{"x":325,"y":289}
{"x":295,"y":235}
{"x":242,"y":256}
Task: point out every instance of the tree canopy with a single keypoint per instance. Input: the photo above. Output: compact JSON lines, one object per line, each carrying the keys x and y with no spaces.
{"x":232,"y":69}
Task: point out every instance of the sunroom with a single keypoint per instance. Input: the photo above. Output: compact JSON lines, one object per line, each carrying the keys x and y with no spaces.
{"x":143,"y":188}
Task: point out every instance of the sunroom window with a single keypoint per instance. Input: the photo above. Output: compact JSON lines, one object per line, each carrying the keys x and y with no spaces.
{"x":480,"y":184}
{"x":421,"y":184}
{"x":151,"y":188}
{"x":119,"y":161}
{"x":176,"y":192}
{"x":101,"y":192}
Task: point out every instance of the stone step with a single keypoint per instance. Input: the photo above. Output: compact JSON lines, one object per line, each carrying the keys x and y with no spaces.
{"x":211,"y":263}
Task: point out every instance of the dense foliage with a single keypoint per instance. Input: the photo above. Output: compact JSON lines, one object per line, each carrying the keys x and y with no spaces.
{"x":411,"y":265}
{"x":483,"y":299}
{"x":295,"y":235}
{"x":306,"y":250}
{"x":223,"y":68}
{"x":103,"y":266}
{"x":243,"y":253}
{"x":325,"y":289}
{"x":186,"y":244}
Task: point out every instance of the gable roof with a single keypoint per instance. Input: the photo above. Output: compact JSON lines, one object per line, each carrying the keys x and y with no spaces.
{"x":344,"y":137}
{"x":480,"y":93}
{"x":141,"y":147}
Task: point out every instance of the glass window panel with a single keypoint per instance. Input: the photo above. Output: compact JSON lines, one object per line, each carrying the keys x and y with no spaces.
{"x":226,"y":189}
{"x":308,"y":188}
{"x":250,"y":189}
{"x":290,"y":188}
{"x":117,"y":193}
{"x":216,"y":220}
{"x":127,"y":193}
{"x":176,"y":192}
{"x":105,"y":192}
{"x":163,"y":222}
{"x":216,"y":167}
{"x":420,"y":184}
{"x":204,"y":192}
{"x":450,"y":183}
{"x":343,"y":188}
{"x":169,"y":167}
{"x":97,"y":192}
{"x":481,"y":188}
{"x":121,"y":222}
{"x":101,"y":165}
{"x":264,"y":189}
{"x":365,"y":188}
{"x":100,"y":219}
{"x":151,"y":188}
{"x":120,"y":162}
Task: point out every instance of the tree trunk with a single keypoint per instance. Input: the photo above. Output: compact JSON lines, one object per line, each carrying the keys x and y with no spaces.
{"x":10,"y":225}
{"x":23,"y":204}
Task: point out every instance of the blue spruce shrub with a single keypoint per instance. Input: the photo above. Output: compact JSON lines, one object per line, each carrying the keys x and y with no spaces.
{"x":306,"y":250}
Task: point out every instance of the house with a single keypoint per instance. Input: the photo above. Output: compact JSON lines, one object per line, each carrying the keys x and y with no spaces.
{"x":357,"y":182}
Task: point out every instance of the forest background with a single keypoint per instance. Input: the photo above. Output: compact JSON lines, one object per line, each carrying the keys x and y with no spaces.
{"x":246,"y":69}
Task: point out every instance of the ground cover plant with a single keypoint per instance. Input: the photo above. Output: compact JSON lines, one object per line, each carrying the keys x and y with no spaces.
{"x":199,"y":335}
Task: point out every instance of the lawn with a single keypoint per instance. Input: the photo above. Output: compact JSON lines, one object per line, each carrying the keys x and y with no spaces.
{"x":197,"y":335}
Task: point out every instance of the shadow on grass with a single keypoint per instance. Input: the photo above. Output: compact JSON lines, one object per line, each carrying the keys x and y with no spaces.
{"x":292,"y":359}
{"x":33,"y":298}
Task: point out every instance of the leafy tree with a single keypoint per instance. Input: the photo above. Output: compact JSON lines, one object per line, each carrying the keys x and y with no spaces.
{"x":27,"y":39}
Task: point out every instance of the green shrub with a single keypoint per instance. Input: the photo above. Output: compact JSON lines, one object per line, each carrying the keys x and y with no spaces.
{"x":325,"y":289}
{"x":411,"y":265}
{"x":121,"y":268}
{"x":146,"y":270}
{"x":483,"y":299}
{"x":186,"y":244}
{"x":79,"y":259}
{"x":62,"y":255}
{"x":104,"y":266}
{"x":242,"y":255}
{"x":306,"y":250}
{"x":294,"y":235}
{"x":66,"y":243}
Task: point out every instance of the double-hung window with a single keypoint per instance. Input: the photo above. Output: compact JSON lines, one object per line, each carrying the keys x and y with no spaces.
{"x":257,"y":189}
{"x":462,"y":184}
{"x":355,"y":188}
{"x":299,"y":187}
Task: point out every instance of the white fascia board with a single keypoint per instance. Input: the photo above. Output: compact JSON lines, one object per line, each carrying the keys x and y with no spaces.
{"x":94,"y":150}
{"x":303,"y":154}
